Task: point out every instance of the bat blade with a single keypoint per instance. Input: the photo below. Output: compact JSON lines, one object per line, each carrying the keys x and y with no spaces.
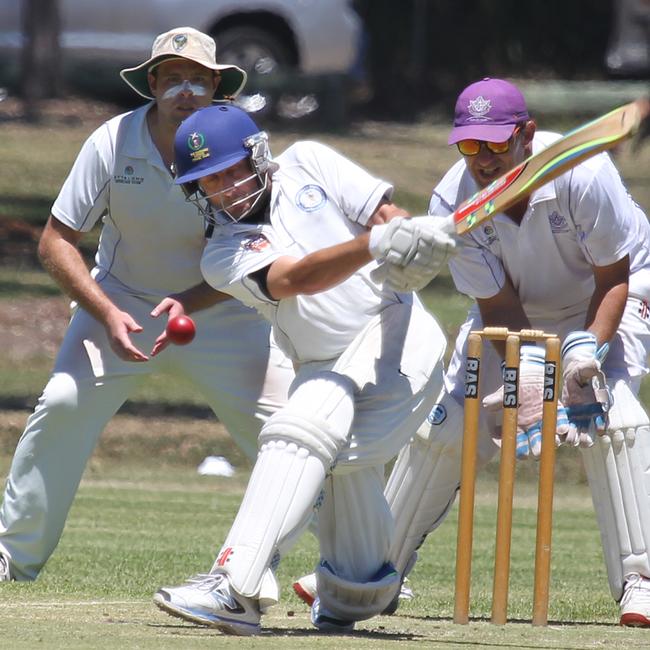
{"x":583,"y":142}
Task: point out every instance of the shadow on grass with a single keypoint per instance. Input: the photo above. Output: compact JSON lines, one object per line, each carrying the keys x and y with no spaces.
{"x":519,"y":621}
{"x":136,"y":408}
{"x":28,"y":289}
{"x":270,"y":631}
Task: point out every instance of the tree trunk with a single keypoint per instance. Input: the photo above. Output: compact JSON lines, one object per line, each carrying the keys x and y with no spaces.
{"x":41,"y":73}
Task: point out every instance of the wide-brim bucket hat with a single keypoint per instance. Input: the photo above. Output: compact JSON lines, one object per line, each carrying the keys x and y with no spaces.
{"x":193,"y":45}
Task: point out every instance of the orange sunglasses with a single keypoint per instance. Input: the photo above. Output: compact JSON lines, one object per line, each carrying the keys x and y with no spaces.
{"x":472,"y":147}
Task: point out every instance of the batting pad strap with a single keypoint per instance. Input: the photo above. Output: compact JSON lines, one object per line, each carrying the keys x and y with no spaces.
{"x":356,"y":601}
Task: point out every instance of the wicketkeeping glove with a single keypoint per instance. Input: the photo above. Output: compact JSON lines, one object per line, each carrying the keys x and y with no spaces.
{"x":584,"y":391}
{"x":530,"y":397}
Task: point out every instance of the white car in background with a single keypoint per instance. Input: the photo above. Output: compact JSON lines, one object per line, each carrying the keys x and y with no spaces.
{"x":263,"y":36}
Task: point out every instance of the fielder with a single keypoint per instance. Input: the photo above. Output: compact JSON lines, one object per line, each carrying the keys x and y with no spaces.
{"x":573,"y":259}
{"x":292,"y":237}
{"x":151,"y":244}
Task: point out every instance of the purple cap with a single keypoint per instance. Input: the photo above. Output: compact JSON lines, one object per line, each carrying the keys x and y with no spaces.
{"x":488,"y":110}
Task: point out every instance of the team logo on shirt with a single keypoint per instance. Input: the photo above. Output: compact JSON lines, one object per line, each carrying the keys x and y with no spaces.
{"x":558,"y":223}
{"x":255,"y":243}
{"x":490,"y":234}
{"x":437,"y":415}
{"x":311,"y":198}
{"x":479,"y":109}
{"x":128,"y":177}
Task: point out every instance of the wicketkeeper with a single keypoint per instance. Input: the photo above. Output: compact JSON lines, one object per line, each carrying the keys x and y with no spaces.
{"x":572,"y":259}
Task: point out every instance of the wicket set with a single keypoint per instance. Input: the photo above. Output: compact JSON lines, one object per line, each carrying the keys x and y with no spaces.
{"x":507,"y":463}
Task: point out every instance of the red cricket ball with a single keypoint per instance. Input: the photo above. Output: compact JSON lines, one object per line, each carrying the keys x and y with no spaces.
{"x":180,"y":330}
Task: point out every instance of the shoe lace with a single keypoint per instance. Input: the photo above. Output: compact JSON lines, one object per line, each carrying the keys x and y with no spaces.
{"x":633,"y":583}
{"x":206,"y":581}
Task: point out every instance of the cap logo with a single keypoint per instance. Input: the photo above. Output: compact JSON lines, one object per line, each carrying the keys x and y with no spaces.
{"x":479,"y":108}
{"x":179,"y":42}
{"x":195,"y":144}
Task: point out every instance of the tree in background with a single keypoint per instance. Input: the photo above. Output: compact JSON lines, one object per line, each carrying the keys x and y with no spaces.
{"x":41,"y":57}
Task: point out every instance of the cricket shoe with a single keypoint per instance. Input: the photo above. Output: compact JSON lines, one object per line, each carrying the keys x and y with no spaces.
{"x":208,"y":599}
{"x":5,"y":569}
{"x":325,"y":622}
{"x":635,"y":604}
{"x":305,"y":588}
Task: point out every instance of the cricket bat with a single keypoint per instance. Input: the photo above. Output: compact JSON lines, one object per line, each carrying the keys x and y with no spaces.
{"x":579,"y":144}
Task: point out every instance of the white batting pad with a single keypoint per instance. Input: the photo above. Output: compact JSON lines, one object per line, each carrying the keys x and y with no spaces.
{"x":299,"y":444}
{"x":318,"y":415}
{"x":618,"y":469}
{"x":355,"y":526}
{"x":282,"y":490}
{"x":356,"y":601}
{"x":425,"y":478}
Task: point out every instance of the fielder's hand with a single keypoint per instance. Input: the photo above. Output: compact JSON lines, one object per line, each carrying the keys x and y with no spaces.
{"x":584,"y":391}
{"x":173,"y":308}
{"x":530,"y":398}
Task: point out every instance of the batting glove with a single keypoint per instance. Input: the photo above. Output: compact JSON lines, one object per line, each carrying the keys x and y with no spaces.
{"x":414,"y":252}
{"x":584,"y":390}
{"x":403,"y":241}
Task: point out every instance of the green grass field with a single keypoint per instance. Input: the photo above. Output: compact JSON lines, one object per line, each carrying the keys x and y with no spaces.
{"x":136,"y":526}
{"x":144,"y":518}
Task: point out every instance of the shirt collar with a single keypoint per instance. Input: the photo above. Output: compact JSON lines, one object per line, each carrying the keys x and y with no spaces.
{"x":137,"y":142}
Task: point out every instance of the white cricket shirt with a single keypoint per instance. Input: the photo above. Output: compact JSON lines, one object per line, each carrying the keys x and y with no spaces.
{"x":318,"y":199}
{"x":120,"y":177}
{"x":584,"y":218}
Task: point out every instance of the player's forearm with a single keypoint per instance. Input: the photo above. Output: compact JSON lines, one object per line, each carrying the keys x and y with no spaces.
{"x":503,"y":310}
{"x":608,"y":300}
{"x":318,"y":271}
{"x":605,"y":313}
{"x":200,"y":296}
{"x":63,"y":261}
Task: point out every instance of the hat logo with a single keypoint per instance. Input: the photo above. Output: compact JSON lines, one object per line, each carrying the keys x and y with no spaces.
{"x":195,"y":141}
{"x":479,"y":108}
{"x":179,"y":42}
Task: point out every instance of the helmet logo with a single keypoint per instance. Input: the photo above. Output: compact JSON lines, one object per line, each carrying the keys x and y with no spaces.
{"x":479,"y":108}
{"x":196,"y":143}
{"x":179,"y":42}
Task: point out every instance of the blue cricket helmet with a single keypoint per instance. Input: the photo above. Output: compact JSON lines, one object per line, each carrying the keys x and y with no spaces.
{"x":211,"y":140}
